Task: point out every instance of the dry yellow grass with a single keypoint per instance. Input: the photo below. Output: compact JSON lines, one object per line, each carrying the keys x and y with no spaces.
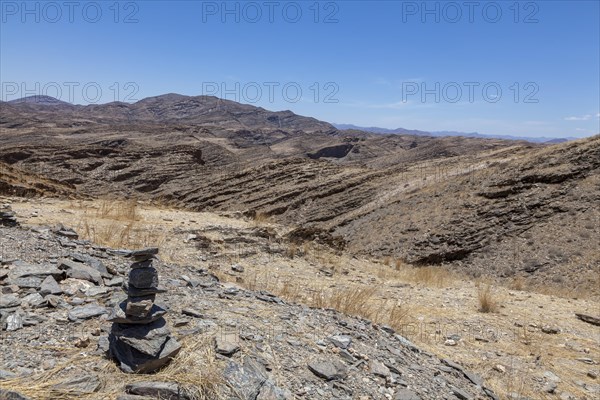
{"x":117,"y":224}
{"x":195,"y":369}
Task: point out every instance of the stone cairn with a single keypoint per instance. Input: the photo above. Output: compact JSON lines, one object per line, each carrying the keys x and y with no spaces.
{"x":7,"y":216}
{"x":140,"y":338}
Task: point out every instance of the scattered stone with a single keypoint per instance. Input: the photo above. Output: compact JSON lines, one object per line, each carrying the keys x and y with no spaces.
{"x":550,"y":330}
{"x":328,"y":370}
{"x":450,"y":342}
{"x":9,"y":301}
{"x":86,"y":311}
{"x":227,"y":345}
{"x":33,"y":300}
{"x":50,"y":286}
{"x":237,"y":268}
{"x":78,"y":270}
{"x":592,"y":374}
{"x":377,"y":368}
{"x":192,"y":313}
{"x":116,"y":281}
{"x":14,"y":322}
{"x":247,"y":380}
{"x":589,"y":319}
{"x":341,"y":341}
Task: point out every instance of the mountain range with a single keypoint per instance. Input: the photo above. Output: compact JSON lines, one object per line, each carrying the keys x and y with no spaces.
{"x":403,"y":131}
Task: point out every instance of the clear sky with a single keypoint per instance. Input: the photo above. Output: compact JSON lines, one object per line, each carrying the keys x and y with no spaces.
{"x":498,"y":67}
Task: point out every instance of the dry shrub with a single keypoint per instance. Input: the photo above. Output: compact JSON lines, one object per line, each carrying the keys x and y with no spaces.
{"x":518,"y":283}
{"x":487,"y":302}
{"x":261,"y":218}
{"x":291,"y":251}
{"x":399,"y":264}
{"x":431,"y":276}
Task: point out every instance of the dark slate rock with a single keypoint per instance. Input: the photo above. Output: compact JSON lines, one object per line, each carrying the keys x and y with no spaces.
{"x":247,"y":380}
{"x":50,"y":286}
{"x":143,"y":278}
{"x":118,"y":314}
{"x":78,"y":270}
{"x":92,"y":262}
{"x":328,"y":370}
{"x":136,"y":292}
{"x":132,"y":360}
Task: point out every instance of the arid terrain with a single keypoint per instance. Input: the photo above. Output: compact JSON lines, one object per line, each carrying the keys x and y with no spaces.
{"x":410,"y":266}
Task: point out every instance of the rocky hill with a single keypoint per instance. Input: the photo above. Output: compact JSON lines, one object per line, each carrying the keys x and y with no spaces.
{"x":480,"y":206}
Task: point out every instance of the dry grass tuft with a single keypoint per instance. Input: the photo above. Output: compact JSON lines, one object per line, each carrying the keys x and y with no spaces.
{"x":431,"y":276}
{"x":487,"y":302}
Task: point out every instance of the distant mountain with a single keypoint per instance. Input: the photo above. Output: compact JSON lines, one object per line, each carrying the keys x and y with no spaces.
{"x":402,"y":131}
{"x":172,"y":109}
{"x":39,"y":100}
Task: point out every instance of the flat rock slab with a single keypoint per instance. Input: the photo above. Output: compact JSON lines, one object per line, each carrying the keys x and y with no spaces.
{"x":131,"y":360}
{"x":136,"y":292}
{"x":78,"y":270}
{"x":377,"y":368}
{"x":147,"y":339}
{"x":92,"y":262}
{"x":9,"y":301}
{"x":162,"y":390}
{"x":88,"y":383}
{"x":118,"y":314}
{"x":328,"y":370}
{"x":22,"y":270}
{"x":341,"y":341}
{"x":227,"y":345}
{"x":86,"y":311}
{"x":139,"y":307}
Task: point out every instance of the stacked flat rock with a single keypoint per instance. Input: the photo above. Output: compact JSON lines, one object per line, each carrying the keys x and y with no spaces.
{"x":7,"y":216}
{"x":140,"y":338}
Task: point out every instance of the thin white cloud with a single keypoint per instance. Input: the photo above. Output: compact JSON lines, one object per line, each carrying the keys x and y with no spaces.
{"x":586,"y":117}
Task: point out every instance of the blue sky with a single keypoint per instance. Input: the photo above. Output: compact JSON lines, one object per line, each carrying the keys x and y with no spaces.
{"x":521,"y":68}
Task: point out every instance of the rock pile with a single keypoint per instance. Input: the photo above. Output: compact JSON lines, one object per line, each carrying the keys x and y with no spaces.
{"x":140,"y":338}
{"x":7,"y":216}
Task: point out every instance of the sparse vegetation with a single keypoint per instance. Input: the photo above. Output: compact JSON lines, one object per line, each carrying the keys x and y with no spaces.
{"x":487,"y":301}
